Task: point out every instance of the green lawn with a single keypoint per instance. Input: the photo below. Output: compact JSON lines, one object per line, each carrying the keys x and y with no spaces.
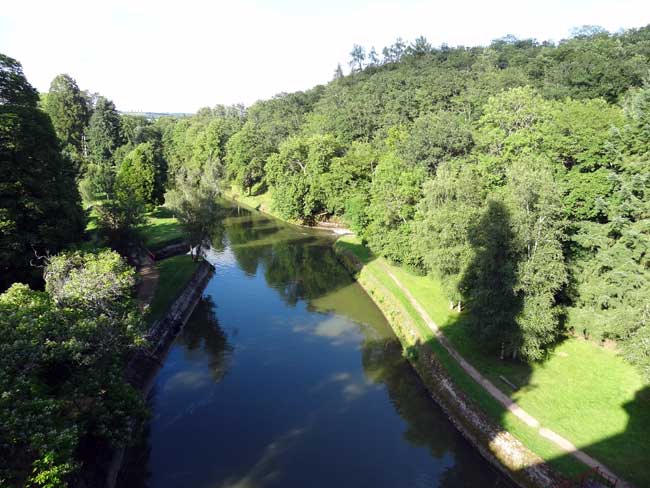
{"x":262,"y":202}
{"x":175,"y":272}
{"x":583,"y":392}
{"x":160,"y":229}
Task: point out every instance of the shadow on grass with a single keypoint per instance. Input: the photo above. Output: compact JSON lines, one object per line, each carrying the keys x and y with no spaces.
{"x":160,"y":213}
{"x":160,"y":235}
{"x":625,"y":453}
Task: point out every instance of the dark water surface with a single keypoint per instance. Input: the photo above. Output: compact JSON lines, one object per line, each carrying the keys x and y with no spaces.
{"x":287,"y":375}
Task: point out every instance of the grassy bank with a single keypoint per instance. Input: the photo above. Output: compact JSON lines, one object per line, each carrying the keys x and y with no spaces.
{"x":160,"y":229}
{"x":262,"y":202}
{"x":583,"y":392}
{"x":174,"y":273}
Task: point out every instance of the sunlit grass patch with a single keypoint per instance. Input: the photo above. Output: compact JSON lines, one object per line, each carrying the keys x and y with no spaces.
{"x":174,"y":274}
{"x":160,"y":229}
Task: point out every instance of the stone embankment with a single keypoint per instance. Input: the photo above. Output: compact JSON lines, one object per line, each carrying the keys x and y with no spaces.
{"x":144,"y":365}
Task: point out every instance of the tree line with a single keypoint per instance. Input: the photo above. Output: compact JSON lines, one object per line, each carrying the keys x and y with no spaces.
{"x":516,"y":174}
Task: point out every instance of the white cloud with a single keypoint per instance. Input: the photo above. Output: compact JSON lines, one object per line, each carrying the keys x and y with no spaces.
{"x":178,"y":56}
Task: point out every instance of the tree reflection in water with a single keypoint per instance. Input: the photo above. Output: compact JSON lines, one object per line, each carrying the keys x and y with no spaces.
{"x":201,"y":336}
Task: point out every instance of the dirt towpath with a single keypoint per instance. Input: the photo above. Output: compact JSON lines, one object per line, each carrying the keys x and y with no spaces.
{"x":149,"y":276}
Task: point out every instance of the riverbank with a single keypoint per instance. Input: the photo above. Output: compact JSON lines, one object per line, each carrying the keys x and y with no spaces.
{"x":379,"y":279}
{"x":262,"y":203}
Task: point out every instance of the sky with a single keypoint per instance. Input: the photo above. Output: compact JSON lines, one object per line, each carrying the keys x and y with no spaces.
{"x":180,"y":55}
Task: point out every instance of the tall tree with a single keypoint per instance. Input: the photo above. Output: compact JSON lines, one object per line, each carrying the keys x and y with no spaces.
{"x":104,"y":134}
{"x":420,"y":47}
{"x":40,"y":207}
{"x":193,"y":200}
{"x":395,"y":190}
{"x":68,"y":108}
{"x":141,"y":174}
{"x":357,"y":57}
{"x":14,"y":87}
{"x":338,"y":72}
{"x":77,"y":337}
{"x":452,"y":204}
{"x":373,"y":58}
{"x":540,"y":231}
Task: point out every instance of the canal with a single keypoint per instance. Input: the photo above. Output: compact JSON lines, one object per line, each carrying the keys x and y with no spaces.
{"x":288,"y":375}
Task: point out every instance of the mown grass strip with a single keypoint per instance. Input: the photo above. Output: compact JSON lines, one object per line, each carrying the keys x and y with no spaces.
{"x":174,"y":274}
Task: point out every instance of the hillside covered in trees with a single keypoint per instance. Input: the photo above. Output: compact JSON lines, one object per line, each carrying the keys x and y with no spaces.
{"x":518,"y":174}
{"x":515,"y":174}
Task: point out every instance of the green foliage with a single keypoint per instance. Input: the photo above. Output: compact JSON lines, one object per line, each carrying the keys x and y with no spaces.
{"x":268,"y":123}
{"x":99,"y":282}
{"x":103,"y":133}
{"x":137,"y":130}
{"x":191,"y":143}
{"x":539,"y":233}
{"x":586,"y":192}
{"x":637,"y":109}
{"x":193,"y":201}
{"x":610,"y":272}
{"x":61,"y":367}
{"x":120,"y":215}
{"x":246,"y":152}
{"x":451,"y":207}
{"x":394,"y":193}
{"x":489,"y":281}
{"x":14,"y":87}
{"x":348,"y":178}
{"x":583,"y":133}
{"x":142,"y":174}
{"x":296,"y":173}
{"x":68,"y":108}
{"x":40,"y":207}
{"x":595,"y":66}
{"x":510,"y":129}
{"x":437,"y":137}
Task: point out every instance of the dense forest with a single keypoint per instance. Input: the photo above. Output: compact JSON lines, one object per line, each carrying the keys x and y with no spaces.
{"x":517,"y":174}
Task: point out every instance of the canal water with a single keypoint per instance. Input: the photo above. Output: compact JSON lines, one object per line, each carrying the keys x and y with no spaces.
{"x":287,"y":375}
